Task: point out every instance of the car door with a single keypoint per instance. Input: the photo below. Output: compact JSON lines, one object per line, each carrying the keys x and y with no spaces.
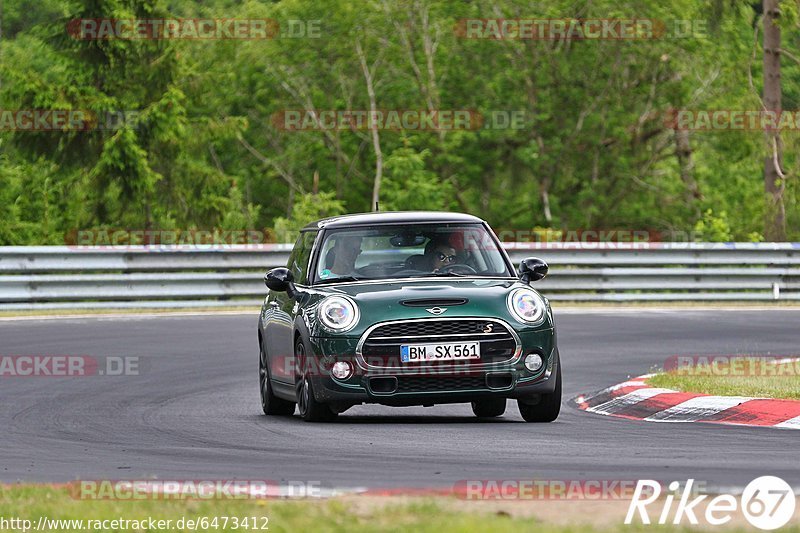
{"x":279,"y":330}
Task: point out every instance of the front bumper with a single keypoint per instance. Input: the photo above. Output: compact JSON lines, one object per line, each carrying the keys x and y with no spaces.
{"x":406,"y":385}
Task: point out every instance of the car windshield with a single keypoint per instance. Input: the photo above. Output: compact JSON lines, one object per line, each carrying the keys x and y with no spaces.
{"x":409,"y":250}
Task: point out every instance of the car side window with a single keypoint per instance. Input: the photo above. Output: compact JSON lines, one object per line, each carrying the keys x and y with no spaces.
{"x":298,"y":259}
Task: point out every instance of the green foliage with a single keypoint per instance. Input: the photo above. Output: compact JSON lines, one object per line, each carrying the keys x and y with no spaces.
{"x":409,"y":185}
{"x":713,"y":228}
{"x":307,"y":208}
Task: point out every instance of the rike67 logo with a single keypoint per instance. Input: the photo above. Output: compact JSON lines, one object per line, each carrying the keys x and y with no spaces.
{"x":767,"y":502}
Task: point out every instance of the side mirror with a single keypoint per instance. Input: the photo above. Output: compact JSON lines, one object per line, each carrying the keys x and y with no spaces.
{"x":532,"y":269}
{"x":279,"y":279}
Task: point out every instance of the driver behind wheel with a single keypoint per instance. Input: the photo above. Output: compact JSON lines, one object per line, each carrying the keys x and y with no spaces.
{"x":440,"y":254}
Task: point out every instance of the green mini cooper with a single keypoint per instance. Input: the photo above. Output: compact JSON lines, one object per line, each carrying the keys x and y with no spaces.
{"x":406,"y":308}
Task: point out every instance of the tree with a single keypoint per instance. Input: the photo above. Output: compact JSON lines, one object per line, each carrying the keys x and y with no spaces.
{"x":774,"y":179}
{"x":592,"y":149}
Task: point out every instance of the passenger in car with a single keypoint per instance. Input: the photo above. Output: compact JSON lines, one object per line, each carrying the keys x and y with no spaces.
{"x":345,"y":252}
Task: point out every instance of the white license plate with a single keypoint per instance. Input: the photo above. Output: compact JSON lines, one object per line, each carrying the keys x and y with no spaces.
{"x":449,"y":351}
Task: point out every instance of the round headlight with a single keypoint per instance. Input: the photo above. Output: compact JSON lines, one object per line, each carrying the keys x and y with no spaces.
{"x":338,"y":313}
{"x":527,"y":306}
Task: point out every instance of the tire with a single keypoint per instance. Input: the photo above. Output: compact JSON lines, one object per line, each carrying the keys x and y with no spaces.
{"x":271,"y":404}
{"x":309,"y":408}
{"x":489,"y":407}
{"x":549,"y":405}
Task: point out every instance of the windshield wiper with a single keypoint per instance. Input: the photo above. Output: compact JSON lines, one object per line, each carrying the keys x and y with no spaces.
{"x":446,"y":274}
{"x":337,"y":279}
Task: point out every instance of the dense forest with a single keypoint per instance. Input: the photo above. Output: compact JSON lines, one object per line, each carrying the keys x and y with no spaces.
{"x":565,"y":131}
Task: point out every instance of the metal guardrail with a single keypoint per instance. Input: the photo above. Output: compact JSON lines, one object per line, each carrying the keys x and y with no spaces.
{"x":53,"y":277}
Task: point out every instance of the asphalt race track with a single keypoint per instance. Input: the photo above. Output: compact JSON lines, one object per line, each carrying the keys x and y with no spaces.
{"x":194,"y":412}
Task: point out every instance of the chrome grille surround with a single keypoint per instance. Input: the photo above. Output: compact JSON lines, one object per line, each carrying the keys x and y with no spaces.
{"x":416,"y":325}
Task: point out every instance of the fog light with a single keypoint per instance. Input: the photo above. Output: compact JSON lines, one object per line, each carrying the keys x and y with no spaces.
{"x":533,"y":362}
{"x":342,"y":370}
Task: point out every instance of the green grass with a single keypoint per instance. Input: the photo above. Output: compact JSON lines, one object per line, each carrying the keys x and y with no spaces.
{"x":349,"y":514}
{"x":284,"y":515}
{"x":776,"y":381}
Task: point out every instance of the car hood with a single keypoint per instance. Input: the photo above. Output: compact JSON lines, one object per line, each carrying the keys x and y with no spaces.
{"x":413,"y":298}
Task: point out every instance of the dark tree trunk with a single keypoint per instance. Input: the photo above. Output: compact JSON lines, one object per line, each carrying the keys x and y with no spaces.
{"x":683,"y":151}
{"x":775,"y":223}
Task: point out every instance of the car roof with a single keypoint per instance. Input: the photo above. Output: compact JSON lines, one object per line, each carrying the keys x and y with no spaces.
{"x":390,"y":217}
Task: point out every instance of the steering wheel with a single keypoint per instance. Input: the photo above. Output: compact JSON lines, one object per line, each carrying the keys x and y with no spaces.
{"x":407,"y":272}
{"x":370,"y":270}
{"x":464,"y":268}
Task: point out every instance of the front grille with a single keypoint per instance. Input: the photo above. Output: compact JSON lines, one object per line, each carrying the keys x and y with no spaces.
{"x":440,"y":383}
{"x":382,"y":347}
{"x":432,"y":327}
